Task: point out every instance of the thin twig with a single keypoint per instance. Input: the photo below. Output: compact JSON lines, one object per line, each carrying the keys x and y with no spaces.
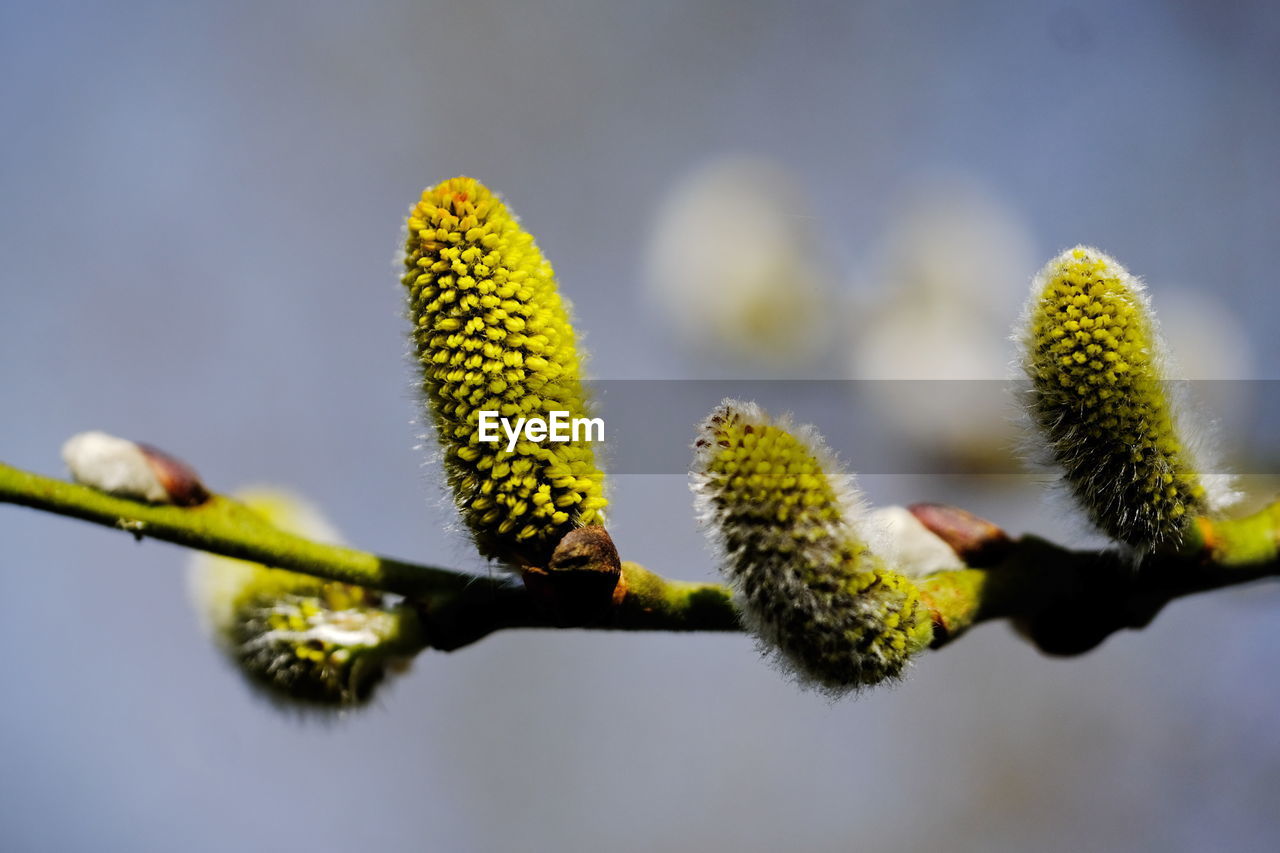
{"x":1065,"y":601}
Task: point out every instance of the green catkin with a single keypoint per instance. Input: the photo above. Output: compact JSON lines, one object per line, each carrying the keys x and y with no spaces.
{"x":786,"y":522}
{"x":306,"y":641}
{"x":1092,"y":353}
{"x":492,"y":333}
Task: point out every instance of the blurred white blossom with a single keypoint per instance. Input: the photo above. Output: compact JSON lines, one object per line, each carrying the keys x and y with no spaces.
{"x":736,"y":270}
{"x":950,"y":275}
{"x":1205,"y":338}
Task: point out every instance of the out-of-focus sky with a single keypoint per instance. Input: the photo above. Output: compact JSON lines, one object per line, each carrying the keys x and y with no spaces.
{"x":200,"y":206}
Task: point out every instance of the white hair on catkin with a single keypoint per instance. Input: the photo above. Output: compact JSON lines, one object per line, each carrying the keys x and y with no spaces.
{"x":1104,"y":418}
{"x":792,"y":534}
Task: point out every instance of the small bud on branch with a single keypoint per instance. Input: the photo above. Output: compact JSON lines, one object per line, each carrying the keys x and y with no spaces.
{"x":128,"y":469}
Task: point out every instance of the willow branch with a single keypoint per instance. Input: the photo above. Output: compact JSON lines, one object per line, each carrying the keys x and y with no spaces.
{"x":456,"y":608}
{"x":1065,"y":601}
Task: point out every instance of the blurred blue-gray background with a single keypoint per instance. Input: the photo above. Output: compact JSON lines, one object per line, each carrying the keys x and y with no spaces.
{"x":200,"y":206}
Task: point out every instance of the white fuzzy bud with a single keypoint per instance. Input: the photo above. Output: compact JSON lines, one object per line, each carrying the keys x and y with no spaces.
{"x":113,"y":465}
{"x":127,"y":469}
{"x":906,"y":543}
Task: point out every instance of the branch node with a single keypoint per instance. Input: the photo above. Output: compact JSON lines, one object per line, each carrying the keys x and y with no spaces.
{"x":580,"y":585}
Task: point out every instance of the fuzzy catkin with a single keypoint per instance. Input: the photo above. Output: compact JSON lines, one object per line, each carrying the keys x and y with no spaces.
{"x":304,"y":640}
{"x":786,"y":522}
{"x":491,"y":332}
{"x":1091,"y":350}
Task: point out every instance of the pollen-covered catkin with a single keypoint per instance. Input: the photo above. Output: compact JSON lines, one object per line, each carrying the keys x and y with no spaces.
{"x":1091,"y":351}
{"x":788,"y":526}
{"x":492,"y":333}
{"x":305,"y":640}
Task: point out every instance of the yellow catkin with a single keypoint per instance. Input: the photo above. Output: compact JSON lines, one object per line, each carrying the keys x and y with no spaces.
{"x":492,"y":333}
{"x":303,"y":639}
{"x":1091,"y":352}
{"x":787,"y":523}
